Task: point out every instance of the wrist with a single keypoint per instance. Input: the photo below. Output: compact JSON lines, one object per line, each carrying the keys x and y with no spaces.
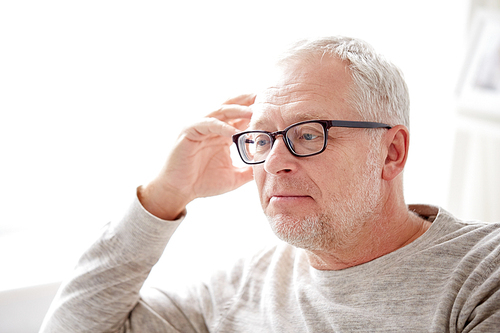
{"x":164,"y":206}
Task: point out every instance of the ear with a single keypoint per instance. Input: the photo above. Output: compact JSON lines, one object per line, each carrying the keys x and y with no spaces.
{"x":396,"y":141}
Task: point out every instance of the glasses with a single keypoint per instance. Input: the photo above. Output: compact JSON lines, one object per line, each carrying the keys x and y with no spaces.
{"x":303,"y":139}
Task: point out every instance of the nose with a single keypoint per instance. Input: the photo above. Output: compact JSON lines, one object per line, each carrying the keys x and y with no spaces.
{"x":280,"y":160}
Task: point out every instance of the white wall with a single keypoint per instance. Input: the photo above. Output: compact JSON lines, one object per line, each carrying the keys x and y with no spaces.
{"x":22,"y":310}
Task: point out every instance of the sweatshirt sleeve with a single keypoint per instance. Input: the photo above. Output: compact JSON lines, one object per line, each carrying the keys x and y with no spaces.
{"x":103,"y":290}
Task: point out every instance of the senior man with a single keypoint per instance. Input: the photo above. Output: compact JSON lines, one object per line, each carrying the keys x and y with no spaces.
{"x":326,"y":143}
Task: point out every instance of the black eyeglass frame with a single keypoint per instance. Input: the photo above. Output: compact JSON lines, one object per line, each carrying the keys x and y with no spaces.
{"x":327,"y":124}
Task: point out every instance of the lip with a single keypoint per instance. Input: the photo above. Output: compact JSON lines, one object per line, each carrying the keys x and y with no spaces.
{"x":275,"y":198}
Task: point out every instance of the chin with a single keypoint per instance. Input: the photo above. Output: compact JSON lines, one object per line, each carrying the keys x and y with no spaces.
{"x":308,"y":232}
{"x":316,"y":232}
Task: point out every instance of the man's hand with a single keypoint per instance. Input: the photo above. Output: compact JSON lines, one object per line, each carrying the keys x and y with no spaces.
{"x":200,"y":164}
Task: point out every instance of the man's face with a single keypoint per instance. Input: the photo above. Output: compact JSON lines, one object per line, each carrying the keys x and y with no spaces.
{"x":320,"y":201}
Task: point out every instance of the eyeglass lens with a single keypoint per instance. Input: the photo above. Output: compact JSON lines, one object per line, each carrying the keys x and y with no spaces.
{"x":302,"y":139}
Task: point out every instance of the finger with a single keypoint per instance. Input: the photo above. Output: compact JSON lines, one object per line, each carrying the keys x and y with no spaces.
{"x":240,"y":124}
{"x":209,"y":127}
{"x":231,"y":112}
{"x":245,"y":99}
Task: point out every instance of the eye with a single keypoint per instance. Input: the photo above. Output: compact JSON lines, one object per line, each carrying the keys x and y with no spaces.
{"x":258,"y":141}
{"x":308,"y":136}
{"x":308,"y":133}
{"x":262,"y":140}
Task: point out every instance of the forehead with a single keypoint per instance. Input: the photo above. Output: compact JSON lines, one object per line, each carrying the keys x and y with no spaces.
{"x":304,"y":91}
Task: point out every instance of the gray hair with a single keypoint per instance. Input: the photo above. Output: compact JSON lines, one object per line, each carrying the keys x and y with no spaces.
{"x":379,"y":91}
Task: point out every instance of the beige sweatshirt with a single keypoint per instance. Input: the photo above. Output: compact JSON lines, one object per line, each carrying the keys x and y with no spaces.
{"x":448,"y":280}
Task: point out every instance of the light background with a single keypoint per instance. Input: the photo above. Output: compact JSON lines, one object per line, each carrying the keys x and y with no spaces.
{"x":93,"y":94}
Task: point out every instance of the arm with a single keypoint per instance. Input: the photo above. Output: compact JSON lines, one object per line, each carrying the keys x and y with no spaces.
{"x":103,"y":293}
{"x":104,"y":287}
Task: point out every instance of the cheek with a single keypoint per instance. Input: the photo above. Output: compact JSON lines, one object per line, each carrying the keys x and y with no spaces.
{"x":259,"y":176}
{"x":333,"y":175}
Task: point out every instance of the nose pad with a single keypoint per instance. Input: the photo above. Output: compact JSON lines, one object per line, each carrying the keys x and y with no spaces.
{"x":290,"y":144}
{"x":279,"y":159}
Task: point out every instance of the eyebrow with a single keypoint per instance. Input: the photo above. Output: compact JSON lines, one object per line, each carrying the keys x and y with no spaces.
{"x":302,"y":116}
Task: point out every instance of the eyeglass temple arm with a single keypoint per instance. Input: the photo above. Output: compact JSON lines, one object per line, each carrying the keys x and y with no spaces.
{"x":358,"y":124}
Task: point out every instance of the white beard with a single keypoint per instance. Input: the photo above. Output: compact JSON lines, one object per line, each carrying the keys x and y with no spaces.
{"x":339,"y":225}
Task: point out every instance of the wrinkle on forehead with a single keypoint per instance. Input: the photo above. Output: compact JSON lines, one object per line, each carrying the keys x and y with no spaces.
{"x":303,"y":92}
{"x":264,"y":118}
{"x":298,"y":101}
{"x":296,"y":92}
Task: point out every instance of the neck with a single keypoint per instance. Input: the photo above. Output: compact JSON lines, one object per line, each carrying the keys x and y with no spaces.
{"x":391,"y":230}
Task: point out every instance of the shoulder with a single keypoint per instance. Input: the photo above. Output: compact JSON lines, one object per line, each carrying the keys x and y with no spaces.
{"x":458,"y":245}
{"x":471,"y":234}
{"x":472,"y":248}
{"x":448,"y":228}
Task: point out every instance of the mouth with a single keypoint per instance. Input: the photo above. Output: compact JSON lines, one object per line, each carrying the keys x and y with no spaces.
{"x":288,"y":194}
{"x":289,"y":198}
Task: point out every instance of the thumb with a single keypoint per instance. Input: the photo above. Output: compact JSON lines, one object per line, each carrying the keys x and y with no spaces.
{"x":243,"y":175}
